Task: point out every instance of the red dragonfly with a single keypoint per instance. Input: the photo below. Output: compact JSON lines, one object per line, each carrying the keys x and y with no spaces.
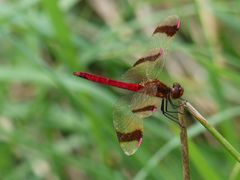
{"x":149,"y":92}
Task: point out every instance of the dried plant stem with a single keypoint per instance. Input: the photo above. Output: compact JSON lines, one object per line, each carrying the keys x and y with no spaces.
{"x":212,"y":130}
{"x":184,"y":142}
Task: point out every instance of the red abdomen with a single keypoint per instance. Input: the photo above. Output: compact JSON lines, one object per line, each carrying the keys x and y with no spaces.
{"x":107,"y":81}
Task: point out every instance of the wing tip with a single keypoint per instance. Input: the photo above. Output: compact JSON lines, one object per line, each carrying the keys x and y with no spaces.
{"x":178,"y":24}
{"x":131,"y":151}
{"x":139,"y":142}
{"x":169,"y":26}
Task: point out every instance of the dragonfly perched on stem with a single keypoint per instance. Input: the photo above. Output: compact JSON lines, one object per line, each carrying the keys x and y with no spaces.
{"x":150,"y":93}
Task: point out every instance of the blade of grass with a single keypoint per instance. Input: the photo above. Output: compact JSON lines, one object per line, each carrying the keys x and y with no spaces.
{"x":80,"y":103}
{"x":235,"y":174}
{"x":201,"y":164}
{"x":210,"y":30}
{"x":66,"y":50}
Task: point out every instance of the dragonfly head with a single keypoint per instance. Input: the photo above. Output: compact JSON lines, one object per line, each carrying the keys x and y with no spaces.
{"x":176,"y":91}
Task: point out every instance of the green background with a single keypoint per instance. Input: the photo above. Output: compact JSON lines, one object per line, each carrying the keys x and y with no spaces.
{"x":57,"y":126}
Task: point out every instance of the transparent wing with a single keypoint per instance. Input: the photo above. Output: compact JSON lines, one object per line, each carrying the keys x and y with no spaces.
{"x":128,"y":118}
{"x":149,"y":66}
{"x":128,"y":126}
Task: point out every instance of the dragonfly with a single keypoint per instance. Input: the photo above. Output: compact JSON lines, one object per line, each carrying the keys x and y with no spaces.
{"x":148,"y":93}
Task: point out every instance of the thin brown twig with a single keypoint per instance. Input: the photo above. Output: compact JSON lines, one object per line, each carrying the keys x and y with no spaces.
{"x":184,"y":143}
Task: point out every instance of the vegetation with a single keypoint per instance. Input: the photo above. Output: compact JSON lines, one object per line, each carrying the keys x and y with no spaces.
{"x":54,"y":125}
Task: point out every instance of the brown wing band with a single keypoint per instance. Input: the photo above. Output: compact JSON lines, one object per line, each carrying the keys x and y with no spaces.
{"x":147,"y":108}
{"x":153,"y":57}
{"x":168,"y":30}
{"x":132,"y":136}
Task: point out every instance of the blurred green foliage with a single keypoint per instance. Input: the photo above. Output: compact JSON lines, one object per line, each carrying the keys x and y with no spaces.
{"x":56,"y":126}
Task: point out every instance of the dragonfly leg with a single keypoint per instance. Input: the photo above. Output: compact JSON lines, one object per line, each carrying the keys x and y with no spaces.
{"x":173,"y":105}
{"x":167,"y":114}
{"x":170,"y":112}
{"x":166,"y":108}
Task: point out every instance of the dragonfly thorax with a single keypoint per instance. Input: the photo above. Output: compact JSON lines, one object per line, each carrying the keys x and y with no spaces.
{"x":157,"y":88}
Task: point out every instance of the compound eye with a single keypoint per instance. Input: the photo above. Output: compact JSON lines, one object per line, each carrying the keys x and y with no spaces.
{"x":175,"y":93}
{"x":176,"y":85}
{"x":181,"y":91}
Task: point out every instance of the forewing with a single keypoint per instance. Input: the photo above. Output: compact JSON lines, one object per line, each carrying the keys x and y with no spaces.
{"x":149,"y":66}
{"x":128,"y":119}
